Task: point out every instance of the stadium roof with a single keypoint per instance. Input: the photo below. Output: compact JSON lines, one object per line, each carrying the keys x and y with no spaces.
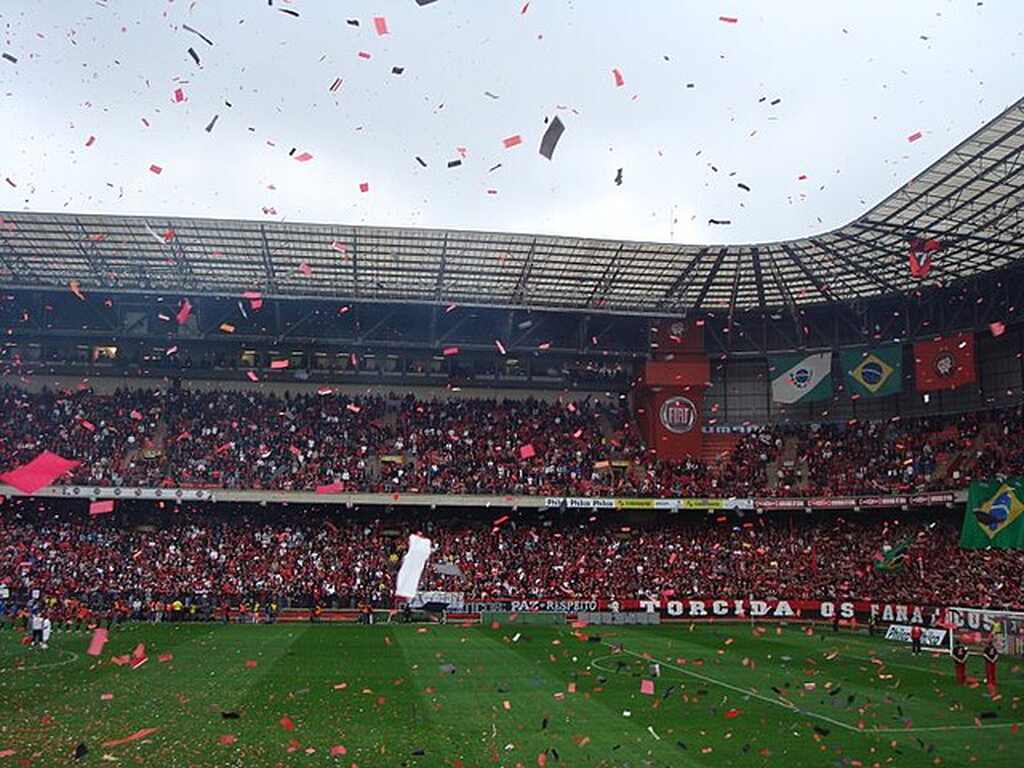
{"x":970,"y":200}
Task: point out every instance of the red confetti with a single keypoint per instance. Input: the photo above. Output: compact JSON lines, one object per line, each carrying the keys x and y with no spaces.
{"x":619,"y":79}
{"x":728,"y":19}
{"x":156,"y":169}
{"x":364,"y":187}
{"x":179,"y":95}
{"x":914,"y":137}
{"x":276,"y":365}
{"x":90,"y":141}
{"x":732,"y":713}
{"x":141,"y":734}
{"x":287,"y":724}
{"x":228,"y":739}
{"x":381,"y":25}
{"x":449,"y":351}
{"x":101,"y":507}
{"x":252,"y":376}
{"x":512,"y":141}
{"x":997,"y":328}
{"x":364,"y":55}
{"x":184,"y":311}
{"x":305,"y":157}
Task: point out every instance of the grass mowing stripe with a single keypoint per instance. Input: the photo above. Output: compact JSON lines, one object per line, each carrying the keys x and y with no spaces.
{"x":599,"y":716}
{"x":785,"y":705}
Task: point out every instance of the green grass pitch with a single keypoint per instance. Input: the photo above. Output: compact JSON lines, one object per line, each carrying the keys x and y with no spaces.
{"x":391,"y":695}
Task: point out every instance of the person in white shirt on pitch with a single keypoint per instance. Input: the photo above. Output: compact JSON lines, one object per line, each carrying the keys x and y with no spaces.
{"x":36,"y":624}
{"x":47,"y":628}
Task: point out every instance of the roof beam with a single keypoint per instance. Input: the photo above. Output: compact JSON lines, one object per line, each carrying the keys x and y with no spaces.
{"x":439,"y":284}
{"x":855,"y":264}
{"x":823,"y":289}
{"x":681,"y":278}
{"x":268,"y":262}
{"x":520,"y":292}
{"x":604,"y":285}
{"x":104,"y":274}
{"x":755,"y":254}
{"x":735,"y":286}
{"x":20,"y":268}
{"x":958,"y":152}
{"x":712,"y":273}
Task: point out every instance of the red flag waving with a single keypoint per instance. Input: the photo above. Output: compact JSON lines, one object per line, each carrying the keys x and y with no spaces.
{"x":945,"y":362}
{"x":921,"y":257}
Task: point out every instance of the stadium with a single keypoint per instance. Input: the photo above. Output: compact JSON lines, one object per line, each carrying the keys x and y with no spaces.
{"x":365,"y":494}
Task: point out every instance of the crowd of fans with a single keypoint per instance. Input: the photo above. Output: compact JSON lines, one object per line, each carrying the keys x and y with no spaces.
{"x":396,"y":444}
{"x":220,"y":554}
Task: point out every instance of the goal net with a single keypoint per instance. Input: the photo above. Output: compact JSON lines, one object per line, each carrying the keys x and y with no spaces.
{"x":527,"y":618}
{"x":975,"y":628}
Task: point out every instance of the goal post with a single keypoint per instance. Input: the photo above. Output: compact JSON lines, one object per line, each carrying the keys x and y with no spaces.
{"x":975,"y":627}
{"x":526,"y":618}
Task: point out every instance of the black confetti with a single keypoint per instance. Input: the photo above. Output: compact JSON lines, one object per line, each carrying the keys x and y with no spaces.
{"x":289,"y":11}
{"x":454,"y":163}
{"x":195,"y":56}
{"x":10,"y":58}
{"x":213,"y":122}
{"x":202,"y":37}
{"x":551,"y":137}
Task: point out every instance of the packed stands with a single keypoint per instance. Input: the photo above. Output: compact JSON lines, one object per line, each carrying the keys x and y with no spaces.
{"x":377,"y":443}
{"x":227,"y":553}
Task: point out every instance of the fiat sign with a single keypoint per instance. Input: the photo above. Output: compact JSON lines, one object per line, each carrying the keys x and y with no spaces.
{"x":678,"y":415}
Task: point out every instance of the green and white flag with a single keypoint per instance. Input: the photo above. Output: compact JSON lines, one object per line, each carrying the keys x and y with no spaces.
{"x":796,"y":378}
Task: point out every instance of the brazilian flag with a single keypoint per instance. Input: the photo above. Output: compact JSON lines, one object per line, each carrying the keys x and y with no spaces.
{"x":893,"y":559}
{"x":994,"y":515}
{"x":873,"y":372}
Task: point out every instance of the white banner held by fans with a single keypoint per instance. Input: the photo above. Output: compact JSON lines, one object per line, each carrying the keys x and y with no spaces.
{"x":412,"y":567}
{"x":930,"y":638}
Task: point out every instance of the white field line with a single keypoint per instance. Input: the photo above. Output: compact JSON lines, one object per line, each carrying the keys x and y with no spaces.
{"x":51,"y":665}
{"x":808,"y":713}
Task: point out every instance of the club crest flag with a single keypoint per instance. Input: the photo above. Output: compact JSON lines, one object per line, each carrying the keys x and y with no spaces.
{"x":945,"y":362}
{"x":994,"y":515}
{"x":875,"y":372}
{"x":796,"y":378}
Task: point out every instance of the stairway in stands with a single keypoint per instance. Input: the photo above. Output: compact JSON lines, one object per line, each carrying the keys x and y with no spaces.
{"x":717,"y":447}
{"x":787,"y":458}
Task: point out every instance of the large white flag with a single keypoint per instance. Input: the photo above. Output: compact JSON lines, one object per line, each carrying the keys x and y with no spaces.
{"x":801,"y":377}
{"x":412,"y":567}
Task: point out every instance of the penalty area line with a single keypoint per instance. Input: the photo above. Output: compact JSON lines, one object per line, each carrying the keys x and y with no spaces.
{"x":808,"y":713}
{"x":746,"y":692}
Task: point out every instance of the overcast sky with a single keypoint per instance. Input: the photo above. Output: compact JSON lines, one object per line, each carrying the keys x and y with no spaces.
{"x":853,"y":80}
